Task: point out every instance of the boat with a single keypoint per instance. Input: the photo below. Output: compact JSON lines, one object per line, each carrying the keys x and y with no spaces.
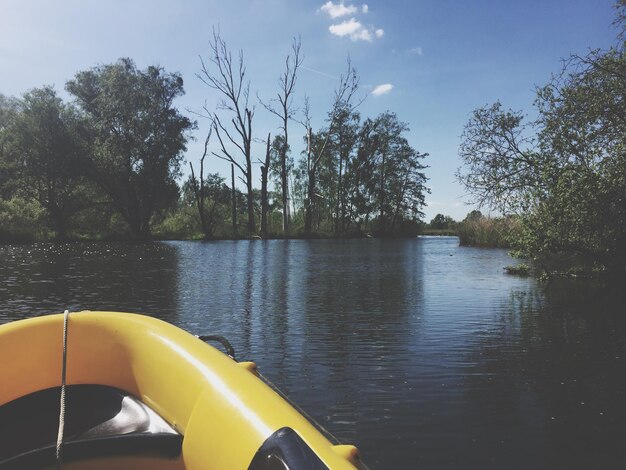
{"x":96,"y":390}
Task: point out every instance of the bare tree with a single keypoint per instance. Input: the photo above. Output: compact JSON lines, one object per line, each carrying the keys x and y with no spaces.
{"x":228,"y":77}
{"x":282,"y":107}
{"x":344,"y":93}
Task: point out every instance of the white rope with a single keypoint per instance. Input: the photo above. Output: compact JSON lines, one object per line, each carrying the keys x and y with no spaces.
{"x":59,"y":450}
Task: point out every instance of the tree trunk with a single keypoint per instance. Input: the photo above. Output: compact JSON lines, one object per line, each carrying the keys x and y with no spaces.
{"x":339,"y":204}
{"x":134,"y":216}
{"x":234,"y":199}
{"x":308,"y":216}
{"x":264,"y":201}
{"x":399,"y":200}
{"x":60,"y":224}
{"x":285,"y":182}
{"x":198,"y":191}
{"x":251,"y":221}
{"x":381,"y":196}
{"x":199,"y":197}
{"x":250,"y":198}
{"x":308,"y":202}
{"x":141,"y":231}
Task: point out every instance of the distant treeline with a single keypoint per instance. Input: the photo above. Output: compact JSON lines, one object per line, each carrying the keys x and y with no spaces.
{"x":107,"y":163}
{"x":476,"y":229}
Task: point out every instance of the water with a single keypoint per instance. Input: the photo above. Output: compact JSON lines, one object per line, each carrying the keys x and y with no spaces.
{"x":421,"y":352}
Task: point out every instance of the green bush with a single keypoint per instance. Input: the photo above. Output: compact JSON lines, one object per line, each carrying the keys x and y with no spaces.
{"x":180,"y":223}
{"x":518,"y":270}
{"x":21,"y":221}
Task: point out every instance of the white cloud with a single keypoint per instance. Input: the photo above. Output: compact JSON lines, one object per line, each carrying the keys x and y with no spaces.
{"x":382,"y":89}
{"x":416,"y":50}
{"x":351,"y":28}
{"x":362,"y":35}
{"x":338,"y":10}
{"x":346,"y":28}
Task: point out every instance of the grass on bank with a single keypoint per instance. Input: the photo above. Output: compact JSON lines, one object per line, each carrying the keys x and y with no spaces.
{"x":497,"y":232}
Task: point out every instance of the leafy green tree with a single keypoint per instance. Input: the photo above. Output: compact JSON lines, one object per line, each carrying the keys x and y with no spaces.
{"x":215,"y":196}
{"x":406,"y":185}
{"x":317,"y":155}
{"x":473,"y":216}
{"x":565,"y":173}
{"x":386,"y":176}
{"x":6,"y":105}
{"x":8,"y":164}
{"x":138,"y":137}
{"x":21,"y":220}
{"x":441,"y":221}
{"x":317,"y":179}
{"x":342,"y":144}
{"x":281,"y":166}
{"x":504,"y":169}
{"x":208,"y":193}
{"x":47,"y":147}
{"x":583,"y":128}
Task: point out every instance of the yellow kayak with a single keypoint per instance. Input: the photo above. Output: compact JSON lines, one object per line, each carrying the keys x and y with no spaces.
{"x":134,"y":392}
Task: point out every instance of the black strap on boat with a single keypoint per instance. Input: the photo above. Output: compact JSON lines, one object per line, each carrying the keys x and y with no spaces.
{"x":230,"y":351}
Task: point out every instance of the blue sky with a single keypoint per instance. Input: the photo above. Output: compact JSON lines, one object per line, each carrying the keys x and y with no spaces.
{"x":433,"y":61}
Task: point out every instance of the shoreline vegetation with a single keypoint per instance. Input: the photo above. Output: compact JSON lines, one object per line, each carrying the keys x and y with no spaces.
{"x":107,"y":165}
{"x":476,"y":230}
{"x":560,"y":177}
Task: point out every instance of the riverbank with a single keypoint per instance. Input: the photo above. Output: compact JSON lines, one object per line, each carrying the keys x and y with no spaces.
{"x":21,"y":238}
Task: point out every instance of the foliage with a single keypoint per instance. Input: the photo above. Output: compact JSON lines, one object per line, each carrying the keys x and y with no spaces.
{"x":105,"y":165}
{"x":8,"y":166}
{"x":584,"y":129}
{"x":503,"y":169}
{"x":370,"y":179}
{"x":277,"y":159}
{"x":181,"y":222}
{"x":521,"y":269}
{"x":137,"y":137}
{"x":46,"y":146}
{"x":316,"y":152}
{"x":563,"y":174}
{"x":441,"y":221}
{"x":216,"y":197}
{"x":20,"y":221}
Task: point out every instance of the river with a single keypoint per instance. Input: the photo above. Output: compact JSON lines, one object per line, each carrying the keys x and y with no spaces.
{"x":422,"y":353}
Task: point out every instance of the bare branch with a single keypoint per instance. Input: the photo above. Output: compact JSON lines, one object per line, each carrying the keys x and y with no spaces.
{"x":219,"y":72}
